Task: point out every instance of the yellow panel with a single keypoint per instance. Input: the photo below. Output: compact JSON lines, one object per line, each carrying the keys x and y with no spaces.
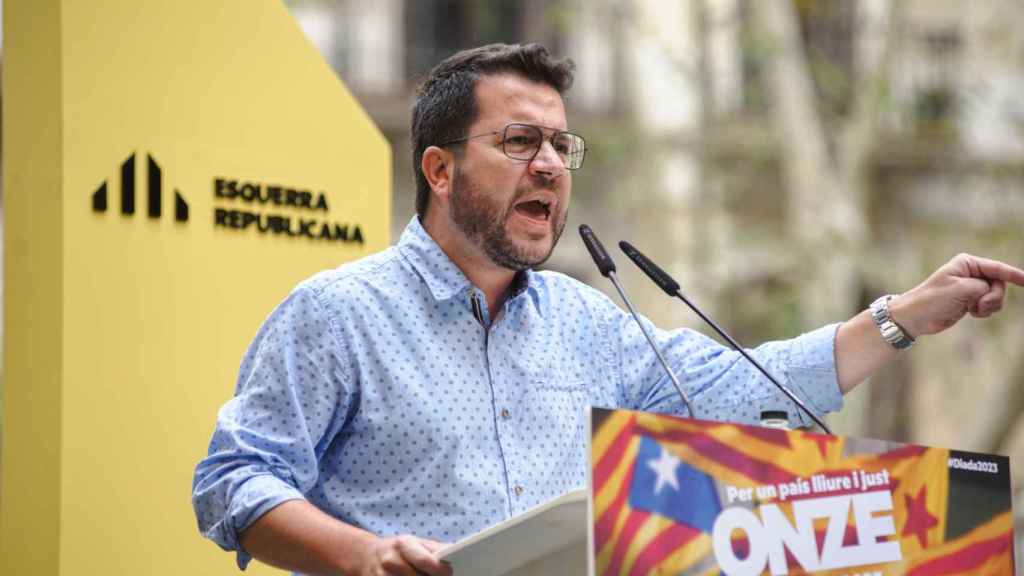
{"x":30,"y":501}
{"x":157,"y":313}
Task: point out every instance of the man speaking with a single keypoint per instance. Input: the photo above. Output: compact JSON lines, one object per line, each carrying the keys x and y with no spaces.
{"x":428,"y":391}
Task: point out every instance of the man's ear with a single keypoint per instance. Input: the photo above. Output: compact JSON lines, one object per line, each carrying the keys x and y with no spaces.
{"x":438,"y":167}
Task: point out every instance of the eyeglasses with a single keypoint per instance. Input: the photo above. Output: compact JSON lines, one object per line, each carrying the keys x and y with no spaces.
{"x":523,"y":141}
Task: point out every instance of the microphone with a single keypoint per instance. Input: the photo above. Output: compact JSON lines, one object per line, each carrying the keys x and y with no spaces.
{"x":604,"y":262}
{"x":607,"y":268}
{"x":671,"y":287}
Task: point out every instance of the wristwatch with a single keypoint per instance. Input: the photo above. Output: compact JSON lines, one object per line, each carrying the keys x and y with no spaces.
{"x":892,"y":332}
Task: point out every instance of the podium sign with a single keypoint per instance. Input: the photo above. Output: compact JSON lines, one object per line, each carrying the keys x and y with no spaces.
{"x":680,"y":496}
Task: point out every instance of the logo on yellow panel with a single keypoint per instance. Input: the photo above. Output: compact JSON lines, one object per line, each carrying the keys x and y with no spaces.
{"x":154,"y":192}
{"x":243,"y":206}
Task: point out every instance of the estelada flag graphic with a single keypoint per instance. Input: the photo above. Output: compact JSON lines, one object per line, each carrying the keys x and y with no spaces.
{"x":682,"y":496}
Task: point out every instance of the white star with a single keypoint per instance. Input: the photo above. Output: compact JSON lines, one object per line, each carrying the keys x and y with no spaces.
{"x":665,"y":468}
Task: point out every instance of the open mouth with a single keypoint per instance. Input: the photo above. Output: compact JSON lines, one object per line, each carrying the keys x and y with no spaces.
{"x":539,"y":209}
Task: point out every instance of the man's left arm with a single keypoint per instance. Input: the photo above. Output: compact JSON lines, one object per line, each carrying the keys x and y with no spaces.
{"x":964,"y":285}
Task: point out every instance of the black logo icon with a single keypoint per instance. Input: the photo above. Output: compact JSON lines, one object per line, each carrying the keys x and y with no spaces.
{"x":154,"y":185}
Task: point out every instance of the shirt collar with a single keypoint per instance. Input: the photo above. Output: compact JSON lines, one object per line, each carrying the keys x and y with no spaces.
{"x":442,"y":276}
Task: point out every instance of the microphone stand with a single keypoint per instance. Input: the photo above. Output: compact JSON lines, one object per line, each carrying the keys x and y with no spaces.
{"x":671,"y":287}
{"x":650,"y":340}
{"x":606,"y":266}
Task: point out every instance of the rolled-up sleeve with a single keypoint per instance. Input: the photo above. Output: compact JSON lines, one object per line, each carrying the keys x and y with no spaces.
{"x":292,"y":397}
{"x":721,"y":384}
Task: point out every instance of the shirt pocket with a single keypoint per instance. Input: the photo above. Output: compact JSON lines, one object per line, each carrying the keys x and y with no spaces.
{"x":556,"y":411}
{"x":563,"y":399}
{"x":551,"y":408}
{"x":561,"y":391}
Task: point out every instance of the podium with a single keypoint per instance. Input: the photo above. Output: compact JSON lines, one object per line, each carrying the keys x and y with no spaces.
{"x":676,"y":496}
{"x":547,"y":540}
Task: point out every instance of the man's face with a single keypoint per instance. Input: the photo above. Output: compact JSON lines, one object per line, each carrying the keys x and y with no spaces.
{"x":512,"y":210}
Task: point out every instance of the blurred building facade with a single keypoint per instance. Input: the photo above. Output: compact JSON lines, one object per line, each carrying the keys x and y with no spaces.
{"x":786,"y":161}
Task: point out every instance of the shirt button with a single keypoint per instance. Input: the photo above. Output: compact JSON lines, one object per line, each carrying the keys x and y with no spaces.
{"x":518,"y":490}
{"x":505,"y":413}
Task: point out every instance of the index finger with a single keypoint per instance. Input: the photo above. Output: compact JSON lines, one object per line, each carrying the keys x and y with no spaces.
{"x":996,"y":270}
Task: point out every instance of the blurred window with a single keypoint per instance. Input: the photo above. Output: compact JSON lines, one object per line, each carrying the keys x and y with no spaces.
{"x":935,"y":97}
{"x":827,"y":30}
{"x":436,"y":29}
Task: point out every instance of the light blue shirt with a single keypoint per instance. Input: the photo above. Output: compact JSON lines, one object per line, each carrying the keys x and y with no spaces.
{"x":383,"y":393}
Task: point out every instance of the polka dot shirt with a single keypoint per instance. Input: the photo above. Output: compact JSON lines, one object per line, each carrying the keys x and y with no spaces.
{"x":383,"y":393}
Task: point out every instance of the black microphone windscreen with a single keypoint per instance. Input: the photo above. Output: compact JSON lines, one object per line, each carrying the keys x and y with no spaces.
{"x":604,"y":262}
{"x":653,"y":271}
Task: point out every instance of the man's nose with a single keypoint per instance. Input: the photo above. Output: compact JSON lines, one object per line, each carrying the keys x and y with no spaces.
{"x":547,"y":161}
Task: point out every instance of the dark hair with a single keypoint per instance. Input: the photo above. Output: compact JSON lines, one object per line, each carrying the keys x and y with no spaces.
{"x":446,"y":101}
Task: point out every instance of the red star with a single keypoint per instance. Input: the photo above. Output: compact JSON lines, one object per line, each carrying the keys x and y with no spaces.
{"x":919,"y":520}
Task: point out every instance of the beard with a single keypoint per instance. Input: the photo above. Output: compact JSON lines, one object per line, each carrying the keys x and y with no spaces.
{"x":483,"y":221}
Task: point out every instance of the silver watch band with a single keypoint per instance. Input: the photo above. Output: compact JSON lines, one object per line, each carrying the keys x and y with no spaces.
{"x":892,"y":332}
